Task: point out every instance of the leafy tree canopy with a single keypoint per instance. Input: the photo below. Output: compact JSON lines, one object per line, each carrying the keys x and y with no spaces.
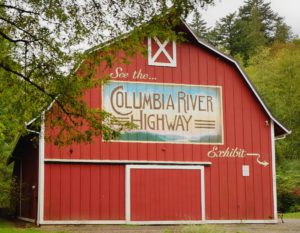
{"x":43,"y":42}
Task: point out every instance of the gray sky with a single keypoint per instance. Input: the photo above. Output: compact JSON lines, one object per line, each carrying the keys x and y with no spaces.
{"x":289,"y":9}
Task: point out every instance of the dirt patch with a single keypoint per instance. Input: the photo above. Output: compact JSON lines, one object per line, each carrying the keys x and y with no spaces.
{"x":289,"y":225}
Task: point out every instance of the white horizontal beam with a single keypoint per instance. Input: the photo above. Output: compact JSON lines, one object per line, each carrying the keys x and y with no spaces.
{"x":125,"y":161}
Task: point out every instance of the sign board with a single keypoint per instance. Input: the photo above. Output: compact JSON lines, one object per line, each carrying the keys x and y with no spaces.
{"x":245,"y":170}
{"x":166,"y":112}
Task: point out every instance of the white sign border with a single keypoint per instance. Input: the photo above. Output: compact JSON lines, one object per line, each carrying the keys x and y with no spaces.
{"x":169,"y":142}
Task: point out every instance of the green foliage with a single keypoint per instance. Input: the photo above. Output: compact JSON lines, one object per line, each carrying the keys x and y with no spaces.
{"x":224,"y":34}
{"x":199,"y":26}
{"x":242,"y":33}
{"x":295,"y":215}
{"x":267,"y":17}
{"x":10,"y":227}
{"x":275,"y":72}
{"x":288,"y":181}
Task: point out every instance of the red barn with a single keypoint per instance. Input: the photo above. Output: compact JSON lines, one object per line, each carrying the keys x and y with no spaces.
{"x":203,"y":150}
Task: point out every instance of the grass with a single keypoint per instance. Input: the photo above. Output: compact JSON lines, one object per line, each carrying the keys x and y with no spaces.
{"x":295,"y":215}
{"x":10,"y":227}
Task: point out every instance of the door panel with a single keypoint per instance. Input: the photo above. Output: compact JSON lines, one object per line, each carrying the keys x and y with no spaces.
{"x":165,"y":194}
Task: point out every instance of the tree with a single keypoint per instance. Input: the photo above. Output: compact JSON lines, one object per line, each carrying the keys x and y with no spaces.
{"x":199,"y":26}
{"x":251,"y":35}
{"x":224,"y":33}
{"x":283,"y":31}
{"x":47,"y":40}
{"x":255,"y":25}
{"x":267,"y":16}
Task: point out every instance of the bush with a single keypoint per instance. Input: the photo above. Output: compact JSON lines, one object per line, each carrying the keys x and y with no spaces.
{"x":288,"y":186}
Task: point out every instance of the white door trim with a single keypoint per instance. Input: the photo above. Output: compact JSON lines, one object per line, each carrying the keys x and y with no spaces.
{"x":41,"y":181}
{"x":128,"y":194}
{"x":274,"y":170}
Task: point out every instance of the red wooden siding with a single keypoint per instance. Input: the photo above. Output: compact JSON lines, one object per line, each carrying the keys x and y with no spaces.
{"x":29,"y":174}
{"x":229,"y":195}
{"x":84,"y":192}
{"x":165,"y":194}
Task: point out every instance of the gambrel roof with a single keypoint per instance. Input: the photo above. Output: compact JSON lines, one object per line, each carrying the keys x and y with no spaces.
{"x":280,"y":130}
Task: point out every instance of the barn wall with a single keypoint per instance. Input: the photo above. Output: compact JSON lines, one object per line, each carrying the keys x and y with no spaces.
{"x":229,"y":195}
{"x":84,"y":192}
{"x":26,"y":172}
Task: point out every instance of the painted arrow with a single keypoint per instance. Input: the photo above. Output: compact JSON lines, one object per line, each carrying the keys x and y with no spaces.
{"x":263,"y":163}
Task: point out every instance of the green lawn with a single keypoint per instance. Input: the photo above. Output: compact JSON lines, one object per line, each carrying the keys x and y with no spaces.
{"x":292,"y":215}
{"x":11,"y":227}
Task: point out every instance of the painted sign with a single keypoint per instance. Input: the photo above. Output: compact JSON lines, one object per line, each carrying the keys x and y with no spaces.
{"x":166,"y":112}
{"x":234,"y":153}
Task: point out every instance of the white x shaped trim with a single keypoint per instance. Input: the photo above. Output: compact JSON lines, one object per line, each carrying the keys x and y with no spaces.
{"x":161,"y":49}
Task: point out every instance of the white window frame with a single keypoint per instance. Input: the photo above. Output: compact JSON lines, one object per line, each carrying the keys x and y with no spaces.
{"x":161,"y":49}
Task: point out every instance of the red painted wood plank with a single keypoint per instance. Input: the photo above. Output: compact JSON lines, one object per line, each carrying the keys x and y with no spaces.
{"x":256,"y":185}
{"x":65,"y":176}
{"x":94,"y":195}
{"x":248,"y":135}
{"x":75,"y":191}
{"x":265,"y":149}
{"x":55,"y":192}
{"x":47,"y":195}
{"x":226,"y":167}
{"x":235,"y":135}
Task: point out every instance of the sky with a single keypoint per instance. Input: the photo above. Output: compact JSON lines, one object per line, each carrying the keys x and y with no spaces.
{"x":289,"y":9}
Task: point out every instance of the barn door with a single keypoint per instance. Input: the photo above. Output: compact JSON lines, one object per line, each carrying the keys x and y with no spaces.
{"x":164,"y":194}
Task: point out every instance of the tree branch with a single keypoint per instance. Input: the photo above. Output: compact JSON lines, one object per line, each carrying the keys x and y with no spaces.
{"x":41,"y":89}
{"x":21,"y":29}
{"x":18,"y":9}
{"x":14,"y":40}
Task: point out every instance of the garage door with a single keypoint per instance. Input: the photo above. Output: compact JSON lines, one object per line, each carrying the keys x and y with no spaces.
{"x":164,"y":194}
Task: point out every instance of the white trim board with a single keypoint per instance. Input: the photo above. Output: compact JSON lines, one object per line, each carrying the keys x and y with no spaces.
{"x":128,"y":194}
{"x":161,"y":50}
{"x":77,"y":222}
{"x":126,"y":161}
{"x":108,"y":222}
{"x":41,"y":181}
{"x":217,"y":87}
{"x":240,"y":221}
{"x":26,"y":219}
{"x":274,"y":170}
{"x":175,"y":222}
